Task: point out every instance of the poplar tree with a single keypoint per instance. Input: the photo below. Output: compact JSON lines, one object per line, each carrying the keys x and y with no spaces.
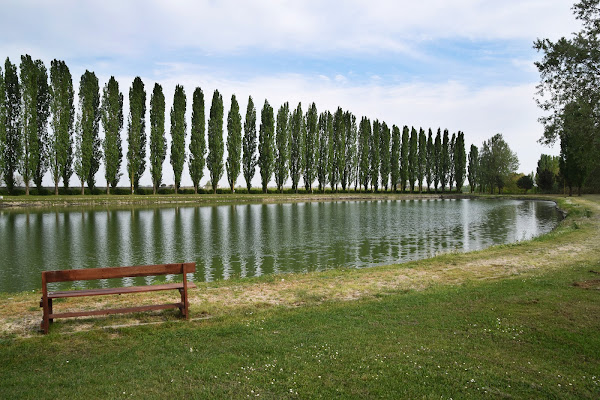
{"x":112,"y":122}
{"x":136,"y":133}
{"x":323,"y":151}
{"x":30,"y":154}
{"x":421,"y":158}
{"x":196,"y":160}
{"x":375,"y":155}
{"x":395,"y":157}
{"x":311,"y":146}
{"x":473,"y":171}
{"x":350,"y":164}
{"x":234,"y":143}
{"x":214,"y":159}
{"x":451,"y":164}
{"x":430,"y":162}
{"x":178,"y":131}
{"x":437,"y":158}
{"x":266,"y":144}
{"x":87,"y":146}
{"x":249,"y":144}
{"x":12,"y":108}
{"x":62,"y":107}
{"x":158,"y":142}
{"x":43,"y":113}
{"x":297,"y":128}
{"x":2,"y":122}
{"x":444,"y":161}
{"x":412,"y":158}
{"x":282,"y":136}
{"x":364,"y":152}
{"x":384,"y":151}
{"x":336,"y":148}
{"x":460,"y":160}
{"x":404,"y":150}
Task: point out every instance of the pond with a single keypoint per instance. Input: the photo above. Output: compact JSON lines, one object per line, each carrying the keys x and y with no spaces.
{"x":256,"y":239}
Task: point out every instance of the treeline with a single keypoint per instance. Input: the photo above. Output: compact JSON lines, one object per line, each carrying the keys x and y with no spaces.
{"x":319,"y":149}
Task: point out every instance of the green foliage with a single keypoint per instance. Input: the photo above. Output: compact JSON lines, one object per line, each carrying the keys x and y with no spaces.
{"x":412,"y":159}
{"x":234,"y":143}
{"x":496,"y":162}
{"x":578,"y":130}
{"x":136,"y":133}
{"x":323,"y":150}
{"x":31,"y":152}
{"x":375,"y":154}
{"x":437,"y":160}
{"x":349,"y":173}
{"x":12,"y":108}
{"x":249,"y":160}
{"x":473,"y":174}
{"x":158,"y":142}
{"x":112,"y":122}
{"x":451,"y":164}
{"x":297,"y":134}
{"x":2,"y":122}
{"x":43,"y":113}
{"x":525,"y":182}
{"x":404,"y":150}
{"x":197,"y":147}
{"x":60,"y":149}
{"x":364,"y":152}
{"x":460,"y":161}
{"x":266,"y":145}
{"x":421,"y":158}
{"x":214,"y":159}
{"x":337,"y":138}
{"x":547,"y":172}
{"x":384,"y":151}
{"x":429,"y":162}
{"x":395,"y":158}
{"x":282,"y":153}
{"x":178,"y":131}
{"x":87,"y":145}
{"x":311,"y":146}
{"x":445,"y":161}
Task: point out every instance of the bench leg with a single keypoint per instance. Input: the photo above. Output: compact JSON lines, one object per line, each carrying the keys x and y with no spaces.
{"x":45,"y":325}
{"x":50,"y":310}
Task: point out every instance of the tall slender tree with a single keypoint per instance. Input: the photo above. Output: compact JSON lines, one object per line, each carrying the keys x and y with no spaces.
{"x":350,"y":164}
{"x":249,"y":144}
{"x":460,"y":161}
{"x":364,"y":151}
{"x":297,"y":127}
{"x":473,"y":173}
{"x":384,"y":151}
{"x":421,"y":158}
{"x":395,"y":157}
{"x":266,"y":145}
{"x":12,"y":107}
{"x":196,"y":160}
{"x":2,"y":122}
{"x":63,"y":115}
{"x":437,"y":158}
{"x":178,"y":132}
{"x":375,"y":155}
{"x":445,"y":161}
{"x":30,"y":155}
{"x":87,"y":146}
{"x":136,"y":133}
{"x":429,"y":163}
{"x":112,"y":123}
{"x":323,"y":151}
{"x":336,"y":148}
{"x":451,"y":161}
{"x":214,"y":159}
{"x":158,"y":142}
{"x":234,"y":143}
{"x":412,"y":158}
{"x":282,"y":154}
{"x":43,"y":113}
{"x":311,"y":145}
{"x":404,"y":151}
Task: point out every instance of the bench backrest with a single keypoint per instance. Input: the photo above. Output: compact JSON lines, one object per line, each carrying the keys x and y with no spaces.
{"x":87,"y":274}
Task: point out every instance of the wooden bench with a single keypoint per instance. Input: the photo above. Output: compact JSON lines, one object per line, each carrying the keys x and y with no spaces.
{"x":70,"y":275}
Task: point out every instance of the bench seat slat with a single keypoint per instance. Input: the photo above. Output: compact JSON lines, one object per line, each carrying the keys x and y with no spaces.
{"x":116,"y":272}
{"x":116,"y":310}
{"x":118,"y":290}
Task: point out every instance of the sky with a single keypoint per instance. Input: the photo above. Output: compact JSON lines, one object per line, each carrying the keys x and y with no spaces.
{"x":463,"y":65}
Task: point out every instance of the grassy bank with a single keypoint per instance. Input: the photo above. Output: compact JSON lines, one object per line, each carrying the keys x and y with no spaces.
{"x":518,"y":320}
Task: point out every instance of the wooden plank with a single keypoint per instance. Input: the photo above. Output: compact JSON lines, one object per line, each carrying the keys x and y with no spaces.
{"x":116,"y":272}
{"x":118,"y":290}
{"x":116,"y":310}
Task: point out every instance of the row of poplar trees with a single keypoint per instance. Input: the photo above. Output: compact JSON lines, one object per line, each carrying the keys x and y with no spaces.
{"x":328,"y":148}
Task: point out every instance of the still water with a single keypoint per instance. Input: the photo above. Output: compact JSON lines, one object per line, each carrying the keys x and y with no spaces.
{"x":255,"y":239}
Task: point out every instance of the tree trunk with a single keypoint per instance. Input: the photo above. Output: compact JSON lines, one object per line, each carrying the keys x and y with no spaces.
{"x":107,"y":188}
{"x":27,"y":189}
{"x":82,"y":190}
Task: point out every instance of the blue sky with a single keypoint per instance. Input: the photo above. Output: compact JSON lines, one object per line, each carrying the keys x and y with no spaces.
{"x":457,"y":64}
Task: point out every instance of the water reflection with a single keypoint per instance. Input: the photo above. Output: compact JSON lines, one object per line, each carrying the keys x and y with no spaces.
{"x":255,"y":239}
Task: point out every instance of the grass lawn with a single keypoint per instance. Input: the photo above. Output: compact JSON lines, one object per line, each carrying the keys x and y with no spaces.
{"x":512,"y":321}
